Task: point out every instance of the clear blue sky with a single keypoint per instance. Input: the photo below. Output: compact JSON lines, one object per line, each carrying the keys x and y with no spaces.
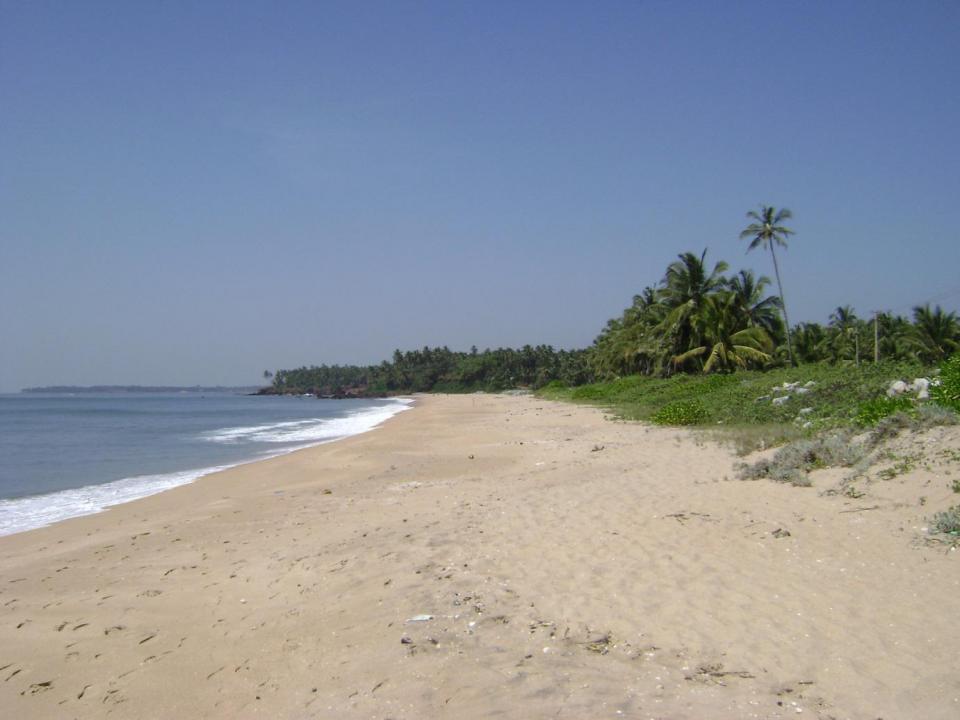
{"x":194,"y":192}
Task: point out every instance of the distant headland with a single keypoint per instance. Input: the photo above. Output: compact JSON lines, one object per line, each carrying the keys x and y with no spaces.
{"x":138,"y":389}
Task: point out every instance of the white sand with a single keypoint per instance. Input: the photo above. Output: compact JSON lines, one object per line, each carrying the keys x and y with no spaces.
{"x":639,"y":580}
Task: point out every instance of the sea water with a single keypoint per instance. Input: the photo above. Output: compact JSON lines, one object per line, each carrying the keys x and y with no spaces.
{"x":62,"y":456}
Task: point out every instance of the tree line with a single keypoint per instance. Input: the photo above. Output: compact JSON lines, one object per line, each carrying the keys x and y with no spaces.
{"x":439,"y":370}
{"x":696,"y":319}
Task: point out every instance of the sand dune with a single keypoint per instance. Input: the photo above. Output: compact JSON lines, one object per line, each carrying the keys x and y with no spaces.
{"x":487,"y":556}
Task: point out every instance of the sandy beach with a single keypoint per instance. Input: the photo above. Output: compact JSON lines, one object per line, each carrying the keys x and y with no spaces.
{"x":491,"y":556}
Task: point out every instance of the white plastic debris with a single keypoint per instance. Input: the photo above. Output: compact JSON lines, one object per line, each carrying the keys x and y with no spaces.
{"x":897,"y":387}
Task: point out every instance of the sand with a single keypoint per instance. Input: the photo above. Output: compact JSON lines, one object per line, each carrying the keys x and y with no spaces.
{"x":570,"y":567}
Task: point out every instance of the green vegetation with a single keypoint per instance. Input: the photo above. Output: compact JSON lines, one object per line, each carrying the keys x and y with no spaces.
{"x":873,"y":411}
{"x":698,"y":346}
{"x":947,"y":521}
{"x":947,"y":393}
{"x":822,"y":394}
{"x":765,"y":231}
{"x":682,"y":412}
{"x":697,"y":319}
{"x":437,"y":370}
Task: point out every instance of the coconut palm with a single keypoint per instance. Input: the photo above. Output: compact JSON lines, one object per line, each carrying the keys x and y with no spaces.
{"x":765,"y":231}
{"x":844,"y":337}
{"x":896,"y":335}
{"x":935,"y":334}
{"x":810,"y":342}
{"x":686,"y":286}
{"x":630,"y":343}
{"x":761,"y":311}
{"x":688,"y":282}
{"x":728,"y":342}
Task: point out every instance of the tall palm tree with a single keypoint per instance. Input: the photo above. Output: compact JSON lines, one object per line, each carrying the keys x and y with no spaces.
{"x":765,"y":231}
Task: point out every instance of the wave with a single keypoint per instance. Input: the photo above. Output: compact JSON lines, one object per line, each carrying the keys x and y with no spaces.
{"x":311,"y":430}
{"x":37,"y":511}
{"x":21,"y":514}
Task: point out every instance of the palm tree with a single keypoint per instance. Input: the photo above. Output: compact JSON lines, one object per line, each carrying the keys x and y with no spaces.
{"x":810,"y":340}
{"x":845,"y":325}
{"x":935,"y":334}
{"x":761,"y":311}
{"x":765,"y":231}
{"x":686,"y":287}
{"x":896,"y":336}
{"x":728,"y":342}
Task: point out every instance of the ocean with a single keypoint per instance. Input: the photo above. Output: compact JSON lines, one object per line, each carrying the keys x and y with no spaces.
{"x":62,"y":456}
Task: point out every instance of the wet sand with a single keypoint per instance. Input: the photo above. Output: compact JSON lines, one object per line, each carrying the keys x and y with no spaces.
{"x":492,"y":556}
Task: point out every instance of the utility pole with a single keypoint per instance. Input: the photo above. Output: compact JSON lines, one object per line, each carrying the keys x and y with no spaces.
{"x":876,"y":336}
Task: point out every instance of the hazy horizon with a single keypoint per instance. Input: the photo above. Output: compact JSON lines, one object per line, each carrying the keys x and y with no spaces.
{"x":196,"y":194}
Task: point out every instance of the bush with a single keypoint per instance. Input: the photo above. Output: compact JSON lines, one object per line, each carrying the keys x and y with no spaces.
{"x":919,"y":419}
{"x":792,"y":462}
{"x":871,"y":412}
{"x":947,"y":393}
{"x":947,"y":521}
{"x":682,"y":412}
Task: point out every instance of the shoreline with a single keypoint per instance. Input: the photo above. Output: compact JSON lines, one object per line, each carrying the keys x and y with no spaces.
{"x":569,"y":566}
{"x":43,"y":510}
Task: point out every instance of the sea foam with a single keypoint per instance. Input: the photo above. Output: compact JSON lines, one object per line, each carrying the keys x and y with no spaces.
{"x":311,"y":430}
{"x":20,"y":514}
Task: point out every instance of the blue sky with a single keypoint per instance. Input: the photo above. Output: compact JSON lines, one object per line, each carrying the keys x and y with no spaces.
{"x":194,"y":192}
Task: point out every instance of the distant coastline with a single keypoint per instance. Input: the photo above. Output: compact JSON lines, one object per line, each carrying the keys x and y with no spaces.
{"x":138,"y":389}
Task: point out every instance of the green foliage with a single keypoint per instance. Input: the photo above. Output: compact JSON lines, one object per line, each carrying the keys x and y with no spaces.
{"x":697,"y":318}
{"x":439,"y":370}
{"x":745,"y":397}
{"x":947,"y":521}
{"x":934,"y":333}
{"x":682,"y":412}
{"x":873,"y":411}
{"x":694,"y":319}
{"x":947,"y":393}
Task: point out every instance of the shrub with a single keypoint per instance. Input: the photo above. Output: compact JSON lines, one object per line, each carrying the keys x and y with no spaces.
{"x":929,"y":416}
{"x":682,"y":412}
{"x":924,"y":418}
{"x":947,"y":521}
{"x":947,"y":393}
{"x":792,"y":462}
{"x":871,"y":412}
